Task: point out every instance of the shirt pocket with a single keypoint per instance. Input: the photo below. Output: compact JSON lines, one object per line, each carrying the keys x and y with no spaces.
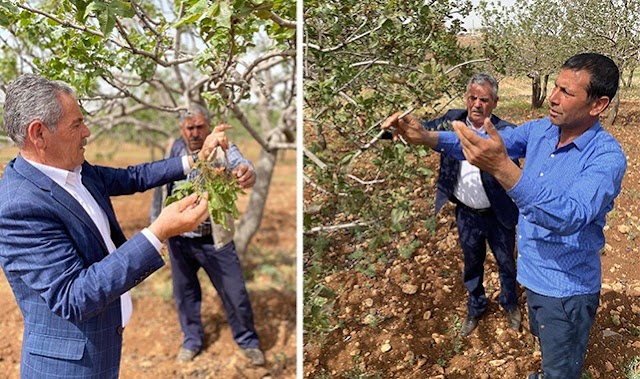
{"x":56,"y":347}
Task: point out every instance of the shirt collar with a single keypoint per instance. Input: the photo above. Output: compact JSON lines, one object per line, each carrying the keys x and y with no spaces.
{"x":586,"y":137}
{"x":58,"y":175}
{"x":582,"y":141}
{"x":472,"y":127}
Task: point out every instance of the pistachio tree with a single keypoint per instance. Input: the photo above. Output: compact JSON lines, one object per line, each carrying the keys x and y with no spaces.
{"x":535,"y":37}
{"x":526,"y":40}
{"x":137,"y":64}
{"x":363,"y":61}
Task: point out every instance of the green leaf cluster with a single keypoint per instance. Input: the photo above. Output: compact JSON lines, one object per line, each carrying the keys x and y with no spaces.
{"x":221,"y":186}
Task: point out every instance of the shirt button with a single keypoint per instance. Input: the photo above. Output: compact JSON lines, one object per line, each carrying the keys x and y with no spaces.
{"x":542,"y":174}
{"x":520,"y":236}
{"x":553,"y":155}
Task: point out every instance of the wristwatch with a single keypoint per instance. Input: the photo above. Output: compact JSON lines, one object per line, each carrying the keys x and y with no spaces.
{"x":194,"y":156}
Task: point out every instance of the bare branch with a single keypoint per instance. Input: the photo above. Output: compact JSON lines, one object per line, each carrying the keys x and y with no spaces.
{"x":254,"y":64}
{"x":282,"y":22}
{"x":385,"y":63}
{"x":465,"y":63}
{"x":85,"y":29}
{"x":338,"y":227}
{"x":282,"y":146}
{"x":366,"y":183}
{"x":314,"y":158}
{"x":343,"y":44}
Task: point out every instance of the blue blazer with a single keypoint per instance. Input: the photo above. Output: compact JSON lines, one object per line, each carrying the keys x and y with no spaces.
{"x":66,"y":284}
{"x":505,"y":209}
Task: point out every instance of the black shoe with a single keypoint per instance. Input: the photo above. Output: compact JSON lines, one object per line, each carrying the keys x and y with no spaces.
{"x":536,"y":375}
{"x":468,"y":325}
{"x":515,"y":319}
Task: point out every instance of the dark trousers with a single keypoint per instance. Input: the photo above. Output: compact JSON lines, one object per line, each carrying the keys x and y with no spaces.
{"x":223,"y":268}
{"x":475,"y":229}
{"x":562,"y":326}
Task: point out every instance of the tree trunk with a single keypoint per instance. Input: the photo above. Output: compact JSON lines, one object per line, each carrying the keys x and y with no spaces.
{"x":630,"y":78}
{"x":613,"y":110}
{"x":538,"y":90}
{"x":250,"y":221}
{"x":322,"y":142}
{"x":543,"y":94}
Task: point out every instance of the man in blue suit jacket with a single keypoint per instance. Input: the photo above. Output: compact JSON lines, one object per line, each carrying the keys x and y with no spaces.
{"x":484,"y":212}
{"x":67,"y":260}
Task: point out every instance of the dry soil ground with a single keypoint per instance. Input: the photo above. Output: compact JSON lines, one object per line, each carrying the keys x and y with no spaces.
{"x":153,"y":337}
{"x":405,"y":321}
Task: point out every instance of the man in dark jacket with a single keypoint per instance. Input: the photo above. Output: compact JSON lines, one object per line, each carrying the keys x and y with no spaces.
{"x":484,"y":212}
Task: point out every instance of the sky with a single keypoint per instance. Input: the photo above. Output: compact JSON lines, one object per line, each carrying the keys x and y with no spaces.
{"x":473,"y":21}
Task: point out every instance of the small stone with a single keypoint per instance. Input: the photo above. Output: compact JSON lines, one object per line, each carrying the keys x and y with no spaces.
{"x":608,"y":366}
{"x":409,"y":289}
{"x":497,"y":362}
{"x":368,"y":302}
{"x":624,"y":229}
{"x":610,"y":333}
{"x":409,"y":356}
{"x":427,"y":315}
{"x":369,"y":319}
{"x":385,"y":347}
{"x":355,"y":352}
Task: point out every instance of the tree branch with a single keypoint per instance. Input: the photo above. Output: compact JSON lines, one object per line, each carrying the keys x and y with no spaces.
{"x":85,"y":29}
{"x":338,"y":227}
{"x":343,"y":44}
{"x":282,"y":22}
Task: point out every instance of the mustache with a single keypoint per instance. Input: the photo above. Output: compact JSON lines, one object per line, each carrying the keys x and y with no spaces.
{"x":195,"y":139}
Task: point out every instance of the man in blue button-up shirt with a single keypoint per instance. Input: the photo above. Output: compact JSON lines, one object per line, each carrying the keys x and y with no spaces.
{"x":572,"y":173}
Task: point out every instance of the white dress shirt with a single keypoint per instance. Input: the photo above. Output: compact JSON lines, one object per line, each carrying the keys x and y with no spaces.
{"x":71,"y":181}
{"x":469,"y":189}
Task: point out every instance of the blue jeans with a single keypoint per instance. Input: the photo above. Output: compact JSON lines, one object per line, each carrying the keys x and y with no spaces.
{"x":475,"y":230}
{"x":562,"y":326}
{"x":222,"y":266}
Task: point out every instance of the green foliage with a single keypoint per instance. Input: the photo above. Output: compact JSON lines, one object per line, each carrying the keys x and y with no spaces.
{"x":364,"y":61}
{"x":221,"y":186}
{"x":406,"y":252}
{"x":536,"y":37}
{"x":632,"y":368}
{"x":357,"y":372}
{"x":132,"y":62}
{"x":318,"y":307}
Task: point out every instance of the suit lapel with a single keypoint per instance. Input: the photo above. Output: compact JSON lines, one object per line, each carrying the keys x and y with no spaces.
{"x":58,"y":194}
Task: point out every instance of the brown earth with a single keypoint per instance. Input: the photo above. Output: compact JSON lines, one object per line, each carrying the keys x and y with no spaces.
{"x":405,"y":321}
{"x":153,"y":336}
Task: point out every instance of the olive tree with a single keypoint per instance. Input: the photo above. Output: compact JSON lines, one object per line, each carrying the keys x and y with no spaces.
{"x":137,"y":64}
